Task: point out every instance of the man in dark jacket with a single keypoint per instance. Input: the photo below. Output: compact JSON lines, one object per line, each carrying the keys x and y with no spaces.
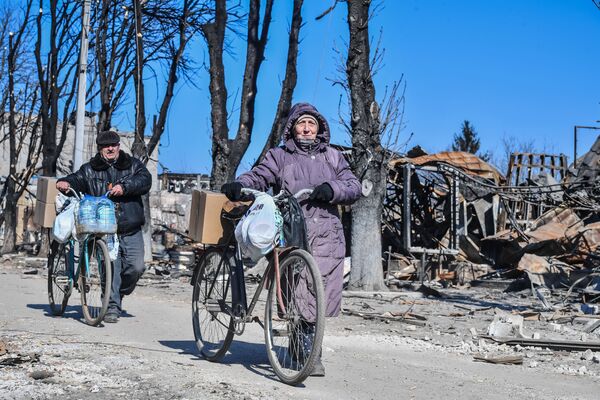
{"x":125,"y":179}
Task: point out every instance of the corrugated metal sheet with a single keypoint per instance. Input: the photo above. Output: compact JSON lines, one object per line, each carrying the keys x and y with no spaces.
{"x":469,"y":163}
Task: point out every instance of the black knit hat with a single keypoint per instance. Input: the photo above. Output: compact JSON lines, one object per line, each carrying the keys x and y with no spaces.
{"x":107,"y":137}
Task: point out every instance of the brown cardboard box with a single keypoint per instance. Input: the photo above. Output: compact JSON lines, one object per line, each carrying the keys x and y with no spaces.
{"x":44,"y":214}
{"x":206,"y":225}
{"x":46,"y":189}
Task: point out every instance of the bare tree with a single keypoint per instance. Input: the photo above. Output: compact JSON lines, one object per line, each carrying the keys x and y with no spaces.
{"x":227,"y":153}
{"x":173,"y":26}
{"x":56,"y":22}
{"x":23,"y":126}
{"x":368,"y":124}
{"x":163,"y":38}
{"x":289,"y":82}
{"x":112,"y":43}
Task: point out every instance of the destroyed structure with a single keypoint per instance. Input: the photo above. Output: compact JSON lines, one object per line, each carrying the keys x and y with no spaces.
{"x":452,"y":218}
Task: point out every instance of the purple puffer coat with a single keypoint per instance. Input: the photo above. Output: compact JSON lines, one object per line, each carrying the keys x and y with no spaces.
{"x":289,"y":167}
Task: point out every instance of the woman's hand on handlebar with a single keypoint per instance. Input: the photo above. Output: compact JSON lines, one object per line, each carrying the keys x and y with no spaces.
{"x":233,"y":190}
{"x":322,"y":193}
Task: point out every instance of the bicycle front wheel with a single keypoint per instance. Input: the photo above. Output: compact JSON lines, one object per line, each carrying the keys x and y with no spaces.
{"x":211,"y":305}
{"x":95,"y":280}
{"x":59,"y":281}
{"x":295,"y":318}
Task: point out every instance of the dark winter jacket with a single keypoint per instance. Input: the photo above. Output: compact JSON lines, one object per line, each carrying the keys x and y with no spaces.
{"x":95,"y":177}
{"x":291,"y":168}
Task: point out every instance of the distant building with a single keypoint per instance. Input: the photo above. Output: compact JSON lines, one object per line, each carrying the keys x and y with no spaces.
{"x":183,"y":183}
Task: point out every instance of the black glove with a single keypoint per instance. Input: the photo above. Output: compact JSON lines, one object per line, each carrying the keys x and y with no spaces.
{"x":233,"y":190}
{"x":322,"y":193}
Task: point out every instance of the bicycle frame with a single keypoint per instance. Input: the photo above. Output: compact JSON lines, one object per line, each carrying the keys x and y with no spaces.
{"x":240,"y":308}
{"x":73,"y":274}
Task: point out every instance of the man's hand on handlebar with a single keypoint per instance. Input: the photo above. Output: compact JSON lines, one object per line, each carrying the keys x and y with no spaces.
{"x":63,"y":186}
{"x":116,"y":191}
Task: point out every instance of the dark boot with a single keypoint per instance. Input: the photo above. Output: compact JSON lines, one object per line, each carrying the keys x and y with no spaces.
{"x":112,"y":316}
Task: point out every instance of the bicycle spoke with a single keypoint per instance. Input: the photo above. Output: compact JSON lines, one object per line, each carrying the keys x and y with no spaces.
{"x":294,"y":336}
{"x":59,"y":283}
{"x":211,"y":306}
{"x":95,"y":280}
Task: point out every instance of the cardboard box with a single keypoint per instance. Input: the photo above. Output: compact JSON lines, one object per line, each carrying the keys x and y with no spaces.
{"x":44,"y":214}
{"x":46,"y":189}
{"x":206,"y":225}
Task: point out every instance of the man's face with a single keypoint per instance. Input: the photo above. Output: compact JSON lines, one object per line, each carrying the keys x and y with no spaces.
{"x":110,"y":152}
{"x":306,"y":128}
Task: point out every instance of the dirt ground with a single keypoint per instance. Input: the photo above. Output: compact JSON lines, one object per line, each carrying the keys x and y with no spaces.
{"x":150,"y":352}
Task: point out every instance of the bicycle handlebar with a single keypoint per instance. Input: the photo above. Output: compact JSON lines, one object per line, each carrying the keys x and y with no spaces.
{"x":77,"y":196}
{"x":298,"y":194}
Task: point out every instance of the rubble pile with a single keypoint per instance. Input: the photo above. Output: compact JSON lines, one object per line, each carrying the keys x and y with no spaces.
{"x":452,"y":219}
{"x":172,"y":251}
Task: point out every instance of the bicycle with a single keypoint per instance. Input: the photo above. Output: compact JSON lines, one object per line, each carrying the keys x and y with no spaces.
{"x":92,"y":276}
{"x":294,"y":314}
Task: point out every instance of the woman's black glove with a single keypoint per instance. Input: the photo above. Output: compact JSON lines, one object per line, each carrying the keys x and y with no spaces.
{"x":322,"y":193}
{"x":233,"y":190}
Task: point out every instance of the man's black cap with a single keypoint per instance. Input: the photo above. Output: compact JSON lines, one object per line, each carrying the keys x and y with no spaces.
{"x":107,"y":137}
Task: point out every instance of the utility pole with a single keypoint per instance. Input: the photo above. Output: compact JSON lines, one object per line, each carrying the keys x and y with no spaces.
{"x":81,"y":87}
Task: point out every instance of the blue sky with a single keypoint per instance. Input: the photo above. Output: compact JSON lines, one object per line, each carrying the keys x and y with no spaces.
{"x":521,"y":68}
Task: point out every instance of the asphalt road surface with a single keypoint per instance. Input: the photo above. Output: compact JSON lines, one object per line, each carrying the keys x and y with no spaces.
{"x":150,"y":353}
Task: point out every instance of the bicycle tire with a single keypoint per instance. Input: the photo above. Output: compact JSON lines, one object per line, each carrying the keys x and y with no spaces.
{"x":59,"y":284}
{"x":95,"y":281}
{"x":304,"y":301}
{"x":213,"y":324}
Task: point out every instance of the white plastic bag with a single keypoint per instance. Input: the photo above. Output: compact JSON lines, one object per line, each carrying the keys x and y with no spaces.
{"x":112,"y":241}
{"x":258,"y":230}
{"x":64,"y":224}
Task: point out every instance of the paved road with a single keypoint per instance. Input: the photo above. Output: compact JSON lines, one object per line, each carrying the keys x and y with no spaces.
{"x":151,"y":353}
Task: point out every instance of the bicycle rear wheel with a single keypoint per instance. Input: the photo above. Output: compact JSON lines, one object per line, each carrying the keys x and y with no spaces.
{"x":212,"y":305}
{"x":95,"y":280}
{"x":295,"y":320}
{"x":59,"y":282}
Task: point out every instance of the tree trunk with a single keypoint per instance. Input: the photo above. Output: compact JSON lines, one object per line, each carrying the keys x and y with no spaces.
{"x":215,"y":36}
{"x":367,"y":268}
{"x":54,"y":71}
{"x":227,"y":153}
{"x":139,"y":145}
{"x":10,"y":208}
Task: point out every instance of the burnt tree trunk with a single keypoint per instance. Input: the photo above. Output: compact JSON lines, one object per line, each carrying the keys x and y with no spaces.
{"x":54,"y":71}
{"x":367,"y":269}
{"x":289,"y":82}
{"x":139,"y":145}
{"x":10,"y":208}
{"x":47,"y":75}
{"x":214,"y":32}
{"x":227,"y":153}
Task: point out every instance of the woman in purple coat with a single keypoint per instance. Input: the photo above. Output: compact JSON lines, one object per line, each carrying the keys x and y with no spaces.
{"x":307,"y":161}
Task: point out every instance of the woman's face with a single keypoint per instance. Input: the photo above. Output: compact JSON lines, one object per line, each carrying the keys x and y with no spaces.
{"x":306,"y":128}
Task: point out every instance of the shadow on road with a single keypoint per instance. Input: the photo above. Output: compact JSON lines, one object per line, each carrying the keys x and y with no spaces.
{"x":70,"y":311}
{"x":252,"y":356}
{"x":73,"y":312}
